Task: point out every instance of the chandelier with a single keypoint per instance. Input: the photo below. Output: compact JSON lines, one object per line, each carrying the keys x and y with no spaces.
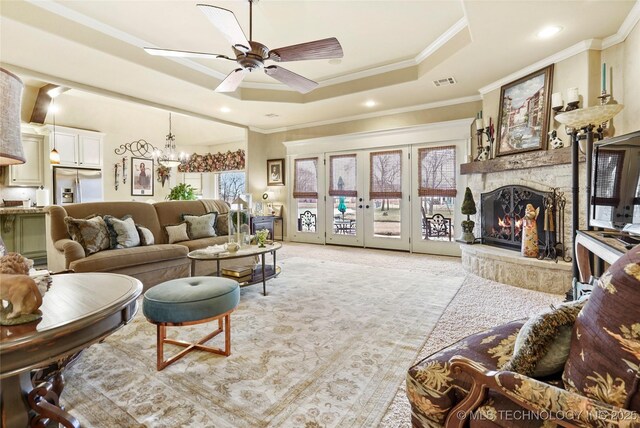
{"x":170,"y":157}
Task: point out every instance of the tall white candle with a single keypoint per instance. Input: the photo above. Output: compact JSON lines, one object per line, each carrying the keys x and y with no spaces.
{"x":556,"y":99}
{"x":479,"y":124}
{"x":572,"y":95}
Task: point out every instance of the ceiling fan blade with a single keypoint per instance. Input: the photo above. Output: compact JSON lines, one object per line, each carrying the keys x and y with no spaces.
{"x":225,"y":21}
{"x":232,"y":81}
{"x":294,"y":80}
{"x":184,"y":54}
{"x":319,"y":49}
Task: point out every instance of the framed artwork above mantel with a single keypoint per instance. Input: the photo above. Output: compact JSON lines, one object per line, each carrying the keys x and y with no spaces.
{"x":523,"y":118}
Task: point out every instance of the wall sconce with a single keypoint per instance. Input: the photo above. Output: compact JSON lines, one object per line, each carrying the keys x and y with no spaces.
{"x":124,"y":170}
{"x":484,"y":152}
{"x":116,"y":174}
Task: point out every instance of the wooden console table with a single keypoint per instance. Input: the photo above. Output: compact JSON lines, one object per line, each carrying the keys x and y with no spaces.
{"x":79,"y":310}
{"x":602,"y":244}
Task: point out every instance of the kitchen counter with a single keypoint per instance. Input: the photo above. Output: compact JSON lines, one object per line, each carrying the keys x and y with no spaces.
{"x":20,"y":210}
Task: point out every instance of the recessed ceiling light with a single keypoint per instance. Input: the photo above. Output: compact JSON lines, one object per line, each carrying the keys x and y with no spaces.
{"x":549,"y":31}
{"x":272,"y":115}
{"x":335,"y":61}
{"x":225,"y":109}
{"x":370,"y":103}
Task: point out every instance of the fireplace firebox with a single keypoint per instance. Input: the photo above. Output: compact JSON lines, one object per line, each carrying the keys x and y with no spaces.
{"x":502,"y":212}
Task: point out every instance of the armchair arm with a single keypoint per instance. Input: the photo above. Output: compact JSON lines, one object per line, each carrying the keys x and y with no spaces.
{"x":546,"y":401}
{"x":72,"y":250}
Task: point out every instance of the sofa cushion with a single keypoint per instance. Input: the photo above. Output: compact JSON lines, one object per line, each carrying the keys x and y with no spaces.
{"x":146,"y":237}
{"x":197,"y":244}
{"x":177,"y":232}
{"x":201,"y":226}
{"x":112,"y":260}
{"x":170,"y":212}
{"x":222,"y":224}
{"x":91,"y":233}
{"x":605,"y":348}
{"x":123,"y":231}
{"x":542,"y":345}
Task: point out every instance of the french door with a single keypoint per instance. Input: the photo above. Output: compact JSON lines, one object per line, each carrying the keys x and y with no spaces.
{"x":367,"y":198}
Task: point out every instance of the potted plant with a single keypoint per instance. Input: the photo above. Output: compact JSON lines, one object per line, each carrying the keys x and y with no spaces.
{"x":468,"y":208}
{"x":182,"y":192}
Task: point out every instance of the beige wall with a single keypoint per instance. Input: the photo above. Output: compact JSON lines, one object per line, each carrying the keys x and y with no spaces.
{"x":623,"y":83}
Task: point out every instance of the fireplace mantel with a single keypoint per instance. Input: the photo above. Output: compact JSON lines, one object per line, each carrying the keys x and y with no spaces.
{"x":520,"y":161}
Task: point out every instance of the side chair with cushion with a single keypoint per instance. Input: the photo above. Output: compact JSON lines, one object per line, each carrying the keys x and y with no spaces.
{"x":481,"y":382}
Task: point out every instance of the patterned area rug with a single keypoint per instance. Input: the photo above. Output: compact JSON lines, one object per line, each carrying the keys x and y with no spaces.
{"x":329,"y":346}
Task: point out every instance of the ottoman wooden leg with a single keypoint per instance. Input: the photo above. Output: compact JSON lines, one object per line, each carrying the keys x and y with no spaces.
{"x":224,"y":324}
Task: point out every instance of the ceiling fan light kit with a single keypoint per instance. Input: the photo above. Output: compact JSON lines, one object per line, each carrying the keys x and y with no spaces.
{"x":251,"y":55}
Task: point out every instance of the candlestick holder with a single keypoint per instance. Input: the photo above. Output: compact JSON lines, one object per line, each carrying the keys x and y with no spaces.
{"x":573,"y":105}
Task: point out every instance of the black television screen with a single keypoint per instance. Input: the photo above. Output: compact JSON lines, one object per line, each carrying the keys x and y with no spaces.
{"x":615,"y":199}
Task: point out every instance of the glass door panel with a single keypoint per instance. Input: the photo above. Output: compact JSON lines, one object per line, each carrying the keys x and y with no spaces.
{"x":344,"y":199}
{"x":386,"y":209}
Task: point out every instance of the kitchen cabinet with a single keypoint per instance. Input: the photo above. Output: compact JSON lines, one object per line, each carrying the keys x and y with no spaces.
{"x":24,"y":232}
{"x":78,"y":147}
{"x":30,"y":173}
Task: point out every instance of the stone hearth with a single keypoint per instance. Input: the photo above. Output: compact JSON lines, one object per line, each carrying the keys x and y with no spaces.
{"x":509,"y":267}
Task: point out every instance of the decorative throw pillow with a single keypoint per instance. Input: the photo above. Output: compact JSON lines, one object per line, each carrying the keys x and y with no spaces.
{"x":604,"y":360}
{"x":177,"y":232}
{"x":222,"y":224}
{"x":90,"y":232}
{"x":123,"y":232}
{"x":542,"y":345}
{"x":201,"y":226}
{"x":146,"y":237}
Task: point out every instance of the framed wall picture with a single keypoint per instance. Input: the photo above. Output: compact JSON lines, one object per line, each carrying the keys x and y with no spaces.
{"x":142,"y":182}
{"x":275,"y":172}
{"x":524,"y":113}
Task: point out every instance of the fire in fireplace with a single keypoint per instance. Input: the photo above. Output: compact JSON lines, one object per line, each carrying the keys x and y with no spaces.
{"x":502,"y":212}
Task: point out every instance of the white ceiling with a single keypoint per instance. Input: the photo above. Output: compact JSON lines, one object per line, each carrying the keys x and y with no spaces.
{"x":393,"y":50}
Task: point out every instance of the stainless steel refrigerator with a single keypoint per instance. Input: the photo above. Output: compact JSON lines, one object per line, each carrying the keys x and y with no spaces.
{"x":73,"y":185}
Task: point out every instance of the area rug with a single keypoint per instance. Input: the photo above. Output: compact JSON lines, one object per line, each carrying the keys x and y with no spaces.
{"x":329,"y":346}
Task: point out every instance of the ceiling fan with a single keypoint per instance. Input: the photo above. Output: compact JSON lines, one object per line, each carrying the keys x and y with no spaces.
{"x":251,"y":55}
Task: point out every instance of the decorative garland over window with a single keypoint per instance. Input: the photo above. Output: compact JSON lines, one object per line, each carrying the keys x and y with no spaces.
{"x":217,"y":162}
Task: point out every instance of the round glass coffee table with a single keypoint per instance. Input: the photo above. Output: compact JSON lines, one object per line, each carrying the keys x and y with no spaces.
{"x":259,"y":274}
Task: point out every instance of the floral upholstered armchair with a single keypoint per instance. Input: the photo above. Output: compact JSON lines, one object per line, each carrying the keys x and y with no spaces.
{"x":482,"y":382}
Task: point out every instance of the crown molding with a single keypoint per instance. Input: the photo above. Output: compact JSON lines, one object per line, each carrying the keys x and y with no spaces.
{"x":72,"y":15}
{"x":579,"y":47}
{"x":372,"y":115}
{"x":591,"y":44}
{"x":627,"y":26}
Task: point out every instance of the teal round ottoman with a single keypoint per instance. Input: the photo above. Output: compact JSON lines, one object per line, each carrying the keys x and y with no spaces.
{"x":188,"y":301}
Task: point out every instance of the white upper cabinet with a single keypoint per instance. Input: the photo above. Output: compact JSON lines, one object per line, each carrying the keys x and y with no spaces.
{"x":30,"y":173}
{"x":77,"y":147}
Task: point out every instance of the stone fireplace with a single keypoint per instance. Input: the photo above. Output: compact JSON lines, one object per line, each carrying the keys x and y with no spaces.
{"x":501,"y":213}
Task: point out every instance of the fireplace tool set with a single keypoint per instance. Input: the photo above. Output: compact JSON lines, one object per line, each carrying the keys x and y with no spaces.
{"x":554,"y":242}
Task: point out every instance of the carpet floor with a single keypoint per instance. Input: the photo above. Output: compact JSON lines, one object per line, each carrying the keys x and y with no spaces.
{"x":329,"y":346}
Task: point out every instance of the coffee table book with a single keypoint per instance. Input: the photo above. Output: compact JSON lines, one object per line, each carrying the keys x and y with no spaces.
{"x":237,"y":271}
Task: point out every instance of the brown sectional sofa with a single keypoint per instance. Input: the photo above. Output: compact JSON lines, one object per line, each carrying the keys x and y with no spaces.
{"x":150,"y":264}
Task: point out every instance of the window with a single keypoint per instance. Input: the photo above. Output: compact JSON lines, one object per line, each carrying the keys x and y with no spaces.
{"x":230,"y":185}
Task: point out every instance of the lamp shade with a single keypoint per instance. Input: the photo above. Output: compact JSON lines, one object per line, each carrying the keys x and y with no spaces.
{"x":11,"y":152}
{"x":589,"y":116}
